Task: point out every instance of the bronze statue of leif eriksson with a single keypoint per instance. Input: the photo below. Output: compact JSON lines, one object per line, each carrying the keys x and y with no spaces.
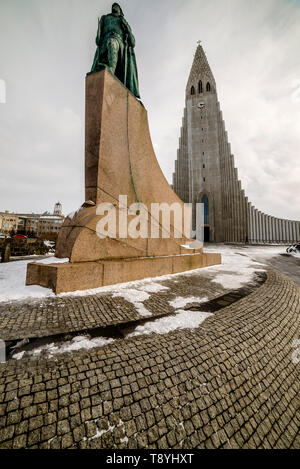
{"x":115,"y":49}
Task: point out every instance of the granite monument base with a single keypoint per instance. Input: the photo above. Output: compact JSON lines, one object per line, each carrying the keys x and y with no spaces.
{"x":119,"y":162}
{"x":72,"y":277}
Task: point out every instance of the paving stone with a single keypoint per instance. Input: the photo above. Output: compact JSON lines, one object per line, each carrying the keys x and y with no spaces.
{"x":19,"y":442}
{"x":48,"y":432}
{"x":36,"y":422}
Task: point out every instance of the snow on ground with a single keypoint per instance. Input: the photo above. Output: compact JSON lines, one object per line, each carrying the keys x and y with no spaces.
{"x":134,"y":292}
{"x":239,"y":264}
{"x":78,"y":343}
{"x":181,"y":320}
{"x":251,"y":251}
{"x":153,"y":287}
{"x":181,"y":302}
{"x":137,"y":298}
{"x":49,"y":244}
{"x":139,"y":294}
{"x":13,"y":277}
{"x":110,"y":429}
{"x":237,"y":269}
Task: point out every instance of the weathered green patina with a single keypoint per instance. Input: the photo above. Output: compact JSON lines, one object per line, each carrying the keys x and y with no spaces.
{"x":115,"y":49}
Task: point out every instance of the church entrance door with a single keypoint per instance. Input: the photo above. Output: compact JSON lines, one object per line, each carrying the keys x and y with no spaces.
{"x":206,"y":234}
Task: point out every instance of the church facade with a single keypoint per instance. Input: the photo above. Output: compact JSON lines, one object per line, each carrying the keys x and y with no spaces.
{"x":205,"y":171}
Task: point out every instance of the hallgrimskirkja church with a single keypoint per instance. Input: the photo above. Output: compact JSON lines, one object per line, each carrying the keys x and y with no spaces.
{"x":205,"y":171}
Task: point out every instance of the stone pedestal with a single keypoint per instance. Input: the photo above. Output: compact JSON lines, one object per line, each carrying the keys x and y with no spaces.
{"x":119,"y":161}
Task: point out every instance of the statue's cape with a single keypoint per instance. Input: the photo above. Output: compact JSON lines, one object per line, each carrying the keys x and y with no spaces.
{"x":132,"y":82}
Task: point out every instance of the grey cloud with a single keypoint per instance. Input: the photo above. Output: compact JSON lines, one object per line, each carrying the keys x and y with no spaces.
{"x":47,"y":47}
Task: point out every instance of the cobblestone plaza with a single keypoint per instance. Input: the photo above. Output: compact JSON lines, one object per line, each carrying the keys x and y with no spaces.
{"x":229,"y":383}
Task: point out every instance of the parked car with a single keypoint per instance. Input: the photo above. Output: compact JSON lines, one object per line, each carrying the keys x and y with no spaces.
{"x":293,"y":248}
{"x":17,"y":236}
{"x":2,"y":236}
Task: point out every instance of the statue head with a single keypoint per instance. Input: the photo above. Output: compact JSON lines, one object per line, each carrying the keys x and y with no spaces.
{"x":117,"y":10}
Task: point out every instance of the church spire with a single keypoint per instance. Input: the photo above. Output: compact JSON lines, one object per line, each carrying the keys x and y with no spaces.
{"x":200,"y":71}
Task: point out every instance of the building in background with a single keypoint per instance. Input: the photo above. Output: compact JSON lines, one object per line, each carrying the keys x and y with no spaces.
{"x":35,"y":224}
{"x":205,"y":171}
{"x":8,"y":222}
{"x":58,"y":209}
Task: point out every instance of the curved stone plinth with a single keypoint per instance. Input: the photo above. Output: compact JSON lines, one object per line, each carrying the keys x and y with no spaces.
{"x":119,"y":161}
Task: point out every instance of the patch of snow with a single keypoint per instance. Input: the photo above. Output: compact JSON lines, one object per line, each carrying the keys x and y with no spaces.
{"x":181,"y":320}
{"x":237,"y":266}
{"x":139,"y":294}
{"x":181,"y":302}
{"x":49,"y":244}
{"x":136,"y":297}
{"x":100,"y":433}
{"x":110,"y":429}
{"x":13,"y":278}
{"x":54,"y":260}
{"x":18,"y":356}
{"x":152,"y":287}
{"x":134,"y":292}
{"x":77,"y":343}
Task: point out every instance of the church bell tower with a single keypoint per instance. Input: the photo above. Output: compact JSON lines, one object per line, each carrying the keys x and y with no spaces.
{"x":204,"y":170}
{"x":198,"y":163}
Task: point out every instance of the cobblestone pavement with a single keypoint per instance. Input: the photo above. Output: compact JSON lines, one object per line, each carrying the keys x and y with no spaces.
{"x":52,"y":316}
{"x":231,"y":383}
{"x":285,"y":263}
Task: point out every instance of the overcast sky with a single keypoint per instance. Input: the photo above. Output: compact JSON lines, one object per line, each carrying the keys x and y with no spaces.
{"x":47,"y":46}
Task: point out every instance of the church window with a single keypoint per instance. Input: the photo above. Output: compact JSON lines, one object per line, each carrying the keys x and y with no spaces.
{"x":208,"y":87}
{"x":204,"y":166}
{"x":192,"y":91}
{"x":200,"y":87}
{"x":204,"y":201}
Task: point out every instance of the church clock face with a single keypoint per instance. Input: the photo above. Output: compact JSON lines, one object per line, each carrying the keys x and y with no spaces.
{"x":201,"y":105}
